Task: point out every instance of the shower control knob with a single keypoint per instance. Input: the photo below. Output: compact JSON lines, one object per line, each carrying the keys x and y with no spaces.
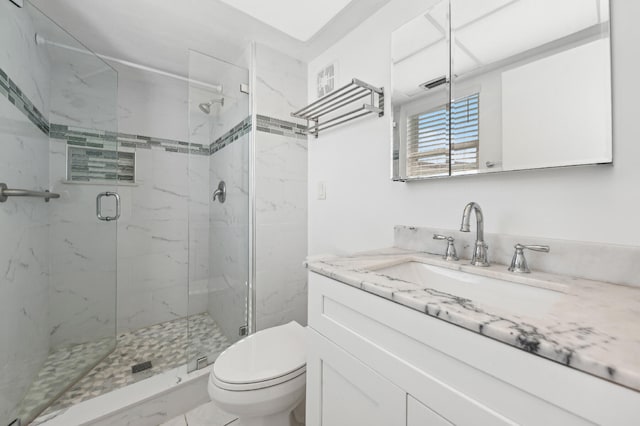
{"x":220,"y":194}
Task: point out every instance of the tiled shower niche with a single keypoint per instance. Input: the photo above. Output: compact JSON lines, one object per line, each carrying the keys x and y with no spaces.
{"x":91,"y":164}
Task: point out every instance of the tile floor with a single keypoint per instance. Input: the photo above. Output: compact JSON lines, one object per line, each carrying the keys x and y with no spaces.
{"x":165,"y":345}
{"x":205,"y":415}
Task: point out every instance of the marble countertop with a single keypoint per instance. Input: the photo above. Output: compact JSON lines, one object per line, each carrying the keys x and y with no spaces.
{"x":592,"y":326}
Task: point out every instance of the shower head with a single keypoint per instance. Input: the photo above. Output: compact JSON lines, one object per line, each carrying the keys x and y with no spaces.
{"x":206,"y":106}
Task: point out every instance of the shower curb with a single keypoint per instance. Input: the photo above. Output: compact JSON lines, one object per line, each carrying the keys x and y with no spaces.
{"x":150,"y":402}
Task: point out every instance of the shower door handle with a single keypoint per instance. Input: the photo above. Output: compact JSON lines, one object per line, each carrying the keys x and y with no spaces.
{"x":99,"y":206}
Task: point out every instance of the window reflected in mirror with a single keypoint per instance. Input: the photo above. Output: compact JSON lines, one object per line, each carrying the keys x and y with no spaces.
{"x":499,"y":85}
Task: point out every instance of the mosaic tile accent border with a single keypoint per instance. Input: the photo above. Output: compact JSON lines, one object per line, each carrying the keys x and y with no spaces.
{"x":231,"y":136}
{"x":10,"y":90}
{"x":107,"y":140}
{"x":281,"y":127}
{"x":169,"y":145}
{"x":110,"y":140}
{"x":264,"y":124}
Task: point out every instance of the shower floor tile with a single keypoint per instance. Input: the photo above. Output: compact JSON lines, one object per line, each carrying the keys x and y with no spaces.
{"x":64,"y":362}
{"x":165,"y":345}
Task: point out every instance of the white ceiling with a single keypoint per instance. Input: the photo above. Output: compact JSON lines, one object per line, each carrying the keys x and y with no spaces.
{"x":159,"y":33}
{"x":483,"y":33}
{"x":300,"y":19}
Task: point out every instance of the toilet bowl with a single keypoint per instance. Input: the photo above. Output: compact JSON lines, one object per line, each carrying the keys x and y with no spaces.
{"x":261,"y":379}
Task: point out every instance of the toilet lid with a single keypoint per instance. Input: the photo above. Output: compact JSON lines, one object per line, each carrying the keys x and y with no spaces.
{"x":265,"y":355}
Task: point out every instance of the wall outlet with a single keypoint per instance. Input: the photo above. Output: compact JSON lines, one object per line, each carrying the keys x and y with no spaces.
{"x":322,"y":191}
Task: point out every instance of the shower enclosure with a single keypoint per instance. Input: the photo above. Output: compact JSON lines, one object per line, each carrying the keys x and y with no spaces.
{"x":58,"y":282}
{"x":219,"y":234}
{"x":135,"y":269}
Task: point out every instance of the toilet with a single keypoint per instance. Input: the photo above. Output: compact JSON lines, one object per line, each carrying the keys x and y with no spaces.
{"x":261,"y":379}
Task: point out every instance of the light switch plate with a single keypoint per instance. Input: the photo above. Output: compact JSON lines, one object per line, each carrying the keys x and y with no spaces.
{"x":322,"y":191}
{"x":18,"y":3}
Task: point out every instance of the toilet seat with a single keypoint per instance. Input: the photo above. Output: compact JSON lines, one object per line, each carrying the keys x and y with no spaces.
{"x":264,"y":359}
{"x":257,"y":385}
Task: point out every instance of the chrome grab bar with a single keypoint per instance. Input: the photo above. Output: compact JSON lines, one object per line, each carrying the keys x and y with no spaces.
{"x":5,"y":193}
{"x":99,"y":206}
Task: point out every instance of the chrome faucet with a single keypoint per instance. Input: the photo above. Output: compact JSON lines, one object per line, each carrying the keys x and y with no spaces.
{"x":480,"y":250}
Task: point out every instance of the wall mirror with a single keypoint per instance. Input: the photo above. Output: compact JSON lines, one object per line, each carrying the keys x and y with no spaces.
{"x":500,"y":85}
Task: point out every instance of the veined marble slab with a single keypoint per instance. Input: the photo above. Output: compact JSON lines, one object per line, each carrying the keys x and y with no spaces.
{"x":592,"y":326}
{"x":611,"y":263}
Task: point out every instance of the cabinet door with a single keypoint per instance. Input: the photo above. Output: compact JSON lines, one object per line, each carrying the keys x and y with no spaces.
{"x":419,"y":414}
{"x":342,"y":391}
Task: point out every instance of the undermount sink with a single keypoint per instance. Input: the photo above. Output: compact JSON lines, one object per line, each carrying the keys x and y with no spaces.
{"x":481,"y":290}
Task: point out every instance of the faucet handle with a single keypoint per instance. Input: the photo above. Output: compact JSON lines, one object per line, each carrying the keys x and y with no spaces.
{"x":451,"y":248}
{"x":519,"y":262}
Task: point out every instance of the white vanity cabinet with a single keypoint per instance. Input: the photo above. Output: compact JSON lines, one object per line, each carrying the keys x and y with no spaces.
{"x":352,"y":393}
{"x":419,"y":414}
{"x":374,"y":362}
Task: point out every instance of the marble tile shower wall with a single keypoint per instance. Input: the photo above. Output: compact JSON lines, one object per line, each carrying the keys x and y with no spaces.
{"x":152,"y":244}
{"x":170,"y":194}
{"x":155,"y":270}
{"x":281,"y":190}
{"x":152,"y":232}
{"x":82,"y":283}
{"x":24,"y":247}
{"x":77,"y":311}
{"x":153,"y":238}
{"x":281,"y":161}
{"x":227,"y":227}
{"x":228,"y":238}
{"x":281,"y":214}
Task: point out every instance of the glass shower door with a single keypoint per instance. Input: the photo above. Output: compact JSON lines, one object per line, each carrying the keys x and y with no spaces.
{"x":219,"y":127}
{"x":58,"y":259}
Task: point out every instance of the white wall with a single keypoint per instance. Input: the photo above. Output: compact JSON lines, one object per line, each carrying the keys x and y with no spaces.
{"x":591,"y":203}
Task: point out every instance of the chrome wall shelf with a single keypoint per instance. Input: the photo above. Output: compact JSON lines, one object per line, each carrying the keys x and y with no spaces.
{"x":334,"y":107}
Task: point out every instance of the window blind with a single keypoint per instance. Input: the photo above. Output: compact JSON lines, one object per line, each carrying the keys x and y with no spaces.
{"x":445,"y":139}
{"x":465,"y":133}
